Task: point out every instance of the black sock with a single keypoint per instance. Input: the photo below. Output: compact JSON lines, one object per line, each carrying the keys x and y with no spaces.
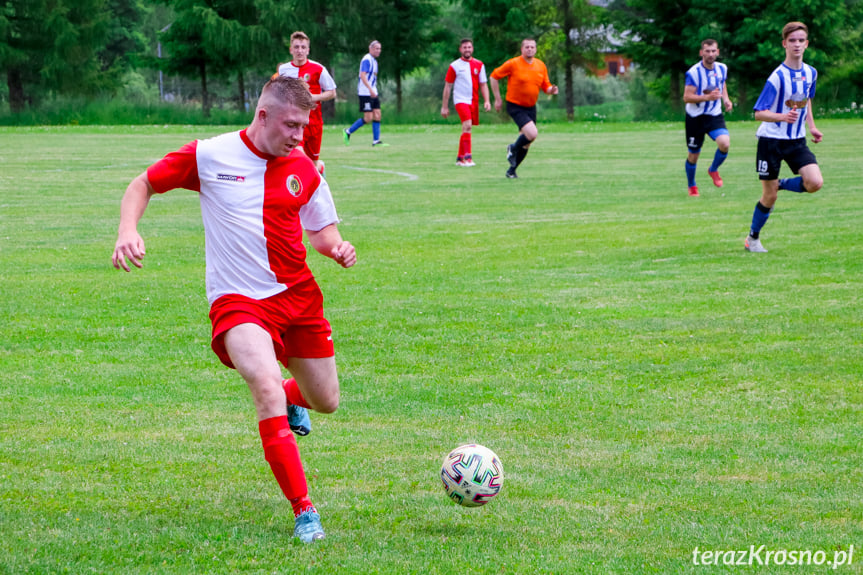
{"x":520,"y":148}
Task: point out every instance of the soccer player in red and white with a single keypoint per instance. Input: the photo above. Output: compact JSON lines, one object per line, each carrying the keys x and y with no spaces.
{"x":321,"y":85}
{"x":465,"y":79}
{"x":258,"y":193}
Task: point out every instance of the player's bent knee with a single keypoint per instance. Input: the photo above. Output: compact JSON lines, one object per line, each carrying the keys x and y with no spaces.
{"x":813,"y":185}
{"x":328,"y":402}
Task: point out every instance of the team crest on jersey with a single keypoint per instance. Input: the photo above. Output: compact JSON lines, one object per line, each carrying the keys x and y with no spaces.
{"x":307,"y":77}
{"x":294,"y":185}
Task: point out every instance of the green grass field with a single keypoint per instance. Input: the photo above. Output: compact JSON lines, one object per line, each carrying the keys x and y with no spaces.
{"x":649,"y":386}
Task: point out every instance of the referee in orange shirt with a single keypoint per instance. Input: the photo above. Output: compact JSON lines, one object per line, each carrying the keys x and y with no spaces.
{"x":527,"y":76}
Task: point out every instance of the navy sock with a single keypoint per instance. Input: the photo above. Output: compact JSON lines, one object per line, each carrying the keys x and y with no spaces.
{"x":718,"y":158}
{"x":792,"y":184}
{"x":690,"y":174}
{"x":356,"y":126}
{"x":376,"y":131}
{"x":759,"y":218}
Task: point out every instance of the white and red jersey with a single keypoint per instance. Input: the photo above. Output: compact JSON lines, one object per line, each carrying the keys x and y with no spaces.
{"x":466,"y":76}
{"x":254,"y":207}
{"x":316,"y":76}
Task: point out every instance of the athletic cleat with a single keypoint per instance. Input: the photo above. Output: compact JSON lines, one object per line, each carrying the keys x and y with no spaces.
{"x":510,"y":173}
{"x":469,"y":163}
{"x":308,"y":528}
{"x":693,"y":191}
{"x":461,"y":163}
{"x":717,"y":180}
{"x":510,"y":157}
{"x":754,"y":245}
{"x":299,"y":420}
{"x":380,"y":143}
{"x":346,"y":136}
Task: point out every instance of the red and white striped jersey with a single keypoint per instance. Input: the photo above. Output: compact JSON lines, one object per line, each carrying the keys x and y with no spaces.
{"x":254,"y":208}
{"x":316,"y":76}
{"x":466,"y":76}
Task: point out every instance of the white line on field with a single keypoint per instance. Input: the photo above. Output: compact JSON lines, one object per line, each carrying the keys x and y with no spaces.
{"x":410,"y":177}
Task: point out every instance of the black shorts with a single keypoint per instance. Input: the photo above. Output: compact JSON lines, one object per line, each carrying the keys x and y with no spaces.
{"x":699,"y":126}
{"x":771,"y":152}
{"x":367,"y":104}
{"x":521,"y":115}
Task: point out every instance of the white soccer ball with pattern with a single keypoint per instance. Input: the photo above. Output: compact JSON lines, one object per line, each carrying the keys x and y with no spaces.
{"x":472,"y":475}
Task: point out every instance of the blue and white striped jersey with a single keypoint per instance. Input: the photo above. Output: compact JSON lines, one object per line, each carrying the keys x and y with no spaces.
{"x":702,"y":78}
{"x":369,"y":65}
{"x":784,"y":87}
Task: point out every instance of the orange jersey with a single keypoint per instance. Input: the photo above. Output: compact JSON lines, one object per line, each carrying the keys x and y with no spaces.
{"x":525,"y":80}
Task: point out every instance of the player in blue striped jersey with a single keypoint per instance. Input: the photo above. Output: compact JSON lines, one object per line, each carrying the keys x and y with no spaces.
{"x":367,"y":92}
{"x":785,"y":111}
{"x":705,"y":95}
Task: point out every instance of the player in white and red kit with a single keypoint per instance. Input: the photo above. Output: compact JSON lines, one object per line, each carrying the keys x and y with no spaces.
{"x":321,"y":85}
{"x":258,"y":193}
{"x":465,"y":79}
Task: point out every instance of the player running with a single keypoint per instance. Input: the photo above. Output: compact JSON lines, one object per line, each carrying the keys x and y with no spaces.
{"x":258,"y":193}
{"x":527,"y":76}
{"x":784,"y":110}
{"x":465,"y":78}
{"x":705,"y":87}
{"x":321,"y":85}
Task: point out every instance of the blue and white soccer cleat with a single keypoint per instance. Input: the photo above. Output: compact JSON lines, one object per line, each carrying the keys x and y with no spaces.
{"x":299,"y":420}
{"x":308,"y":527}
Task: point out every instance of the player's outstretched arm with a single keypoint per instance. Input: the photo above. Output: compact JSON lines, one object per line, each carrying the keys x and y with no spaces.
{"x":130,"y":244}
{"x":328,"y":241}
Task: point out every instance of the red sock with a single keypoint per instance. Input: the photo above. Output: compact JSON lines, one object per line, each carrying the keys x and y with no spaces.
{"x":280,"y":451}
{"x":293,"y":393}
{"x":301,"y":505}
{"x":464,"y":144}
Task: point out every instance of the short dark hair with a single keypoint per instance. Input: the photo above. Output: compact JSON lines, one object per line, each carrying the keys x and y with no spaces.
{"x":465,"y":41}
{"x":791,"y":27}
{"x":528,"y":39}
{"x":709,"y":42}
{"x":283,"y":90}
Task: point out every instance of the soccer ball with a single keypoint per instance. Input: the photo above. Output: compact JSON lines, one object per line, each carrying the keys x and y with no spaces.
{"x":471,"y":475}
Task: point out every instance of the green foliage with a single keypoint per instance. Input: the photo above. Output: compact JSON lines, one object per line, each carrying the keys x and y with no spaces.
{"x":666,"y":37}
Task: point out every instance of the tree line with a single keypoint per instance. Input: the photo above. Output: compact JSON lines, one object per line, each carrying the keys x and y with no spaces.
{"x":84,"y":47}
